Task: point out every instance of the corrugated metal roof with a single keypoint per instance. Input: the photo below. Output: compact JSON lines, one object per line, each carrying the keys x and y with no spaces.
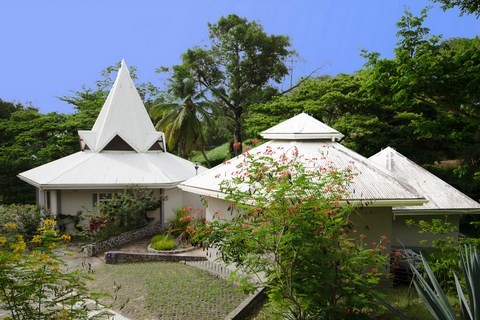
{"x":371,"y":186}
{"x":87,"y":170}
{"x":302,"y":127}
{"x":441,"y":196}
{"x":122,"y":114}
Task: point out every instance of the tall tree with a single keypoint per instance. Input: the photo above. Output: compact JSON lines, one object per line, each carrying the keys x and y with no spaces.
{"x":29,"y":139}
{"x":465,"y":6}
{"x":182,"y":120}
{"x":240,"y":67}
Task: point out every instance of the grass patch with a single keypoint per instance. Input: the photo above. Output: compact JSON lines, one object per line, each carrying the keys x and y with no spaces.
{"x":402,"y":298}
{"x":215,"y":156}
{"x":163,"y":242}
{"x":164,"y":290}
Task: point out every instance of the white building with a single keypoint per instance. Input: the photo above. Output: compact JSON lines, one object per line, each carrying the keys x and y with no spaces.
{"x":444,"y":201}
{"x":373,"y":190}
{"x":122,"y":149}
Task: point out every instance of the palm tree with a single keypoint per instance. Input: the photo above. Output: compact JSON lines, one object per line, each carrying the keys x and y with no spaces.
{"x":182,"y":116}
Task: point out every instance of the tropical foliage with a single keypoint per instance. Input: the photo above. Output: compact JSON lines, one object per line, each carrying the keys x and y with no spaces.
{"x":33,"y":283}
{"x":290,"y":233}
{"x":435,"y":299}
{"x":182,"y":121}
{"x":465,"y":6}
{"x":239,"y":67}
{"x":125,"y":211}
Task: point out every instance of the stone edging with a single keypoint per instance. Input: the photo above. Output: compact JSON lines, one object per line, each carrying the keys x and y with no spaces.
{"x":175,"y":251}
{"x":116,"y":257}
{"x":248,"y":305}
{"x":102,"y":246}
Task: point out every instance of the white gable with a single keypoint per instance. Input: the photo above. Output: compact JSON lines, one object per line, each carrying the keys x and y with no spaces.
{"x":441,"y":196}
{"x":124,"y":115}
{"x":302,"y":127}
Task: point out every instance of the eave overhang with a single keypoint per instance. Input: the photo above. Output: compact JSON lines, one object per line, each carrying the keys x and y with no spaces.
{"x":353,"y":202}
{"x":432,"y":212}
{"x":98,"y":186}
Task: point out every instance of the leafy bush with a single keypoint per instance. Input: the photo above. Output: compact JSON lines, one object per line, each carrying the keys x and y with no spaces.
{"x":163,"y":242}
{"x":124,"y":212}
{"x":434,"y":298}
{"x":185,"y":223}
{"x":27,"y":218}
{"x":290,"y":232}
{"x":33,"y":281}
{"x":444,"y":254}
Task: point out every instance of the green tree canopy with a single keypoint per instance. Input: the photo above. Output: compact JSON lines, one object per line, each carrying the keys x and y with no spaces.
{"x":29,"y":139}
{"x":182,"y":116}
{"x":240,"y":67}
{"x":465,"y":6}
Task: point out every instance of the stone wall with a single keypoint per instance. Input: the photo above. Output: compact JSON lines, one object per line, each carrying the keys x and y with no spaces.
{"x":115,"y":257}
{"x":149,"y":230}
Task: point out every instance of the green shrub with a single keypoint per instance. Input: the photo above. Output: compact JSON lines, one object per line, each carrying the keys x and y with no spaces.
{"x":163,"y":242}
{"x":126,"y":211}
{"x":33,"y":279}
{"x":27,"y":218}
{"x":185,"y":223}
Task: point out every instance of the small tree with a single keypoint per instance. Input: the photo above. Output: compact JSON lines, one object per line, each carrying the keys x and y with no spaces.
{"x":126,"y":211}
{"x":294,"y":235}
{"x":32,"y":282}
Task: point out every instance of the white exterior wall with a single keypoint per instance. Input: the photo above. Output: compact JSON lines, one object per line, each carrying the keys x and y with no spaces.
{"x":409,"y":236}
{"x":74,"y":201}
{"x":374,"y":222}
{"x":54,"y":201}
{"x":173,"y":202}
{"x":177,"y":199}
{"x":217,"y":209}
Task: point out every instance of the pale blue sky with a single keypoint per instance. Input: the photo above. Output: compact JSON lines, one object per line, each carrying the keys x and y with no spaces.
{"x":52,"y":47}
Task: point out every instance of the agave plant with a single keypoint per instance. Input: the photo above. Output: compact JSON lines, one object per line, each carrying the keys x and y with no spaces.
{"x":435,"y":299}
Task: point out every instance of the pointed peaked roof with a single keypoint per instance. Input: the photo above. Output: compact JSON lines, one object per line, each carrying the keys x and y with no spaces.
{"x":123,"y":116}
{"x":302,"y":127}
{"x":441,"y":196}
{"x":123,"y":126}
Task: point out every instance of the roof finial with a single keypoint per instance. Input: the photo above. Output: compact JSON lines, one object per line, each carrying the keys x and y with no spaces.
{"x":389,"y":161}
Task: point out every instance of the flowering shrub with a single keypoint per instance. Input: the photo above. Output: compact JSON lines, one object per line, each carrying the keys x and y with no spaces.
{"x":32,"y":282}
{"x":294,"y":234}
{"x":185,"y":224}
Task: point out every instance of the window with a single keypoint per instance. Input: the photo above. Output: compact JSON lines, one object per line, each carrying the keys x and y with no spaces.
{"x":100,"y":197}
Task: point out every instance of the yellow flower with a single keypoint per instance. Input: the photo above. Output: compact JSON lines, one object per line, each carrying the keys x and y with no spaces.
{"x":3,"y":240}
{"x":37,"y":239}
{"x":19,"y":246}
{"x":49,"y":224}
{"x":66,"y":237}
{"x":10,"y":226}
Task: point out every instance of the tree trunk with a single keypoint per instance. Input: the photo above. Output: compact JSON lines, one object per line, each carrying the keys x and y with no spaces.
{"x":206,"y":159}
{"x":237,"y":132}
